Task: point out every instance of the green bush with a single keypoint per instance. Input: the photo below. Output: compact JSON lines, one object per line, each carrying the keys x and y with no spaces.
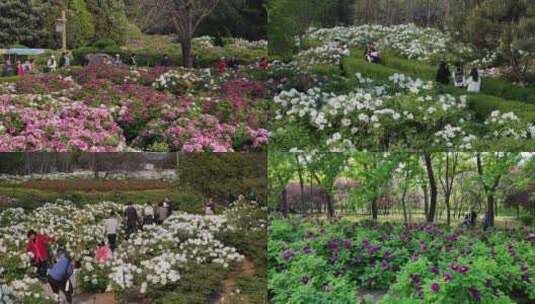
{"x":104,"y":43}
{"x":527,"y":220}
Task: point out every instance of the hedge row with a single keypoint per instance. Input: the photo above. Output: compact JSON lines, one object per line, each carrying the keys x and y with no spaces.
{"x":205,"y":58}
{"x":33,"y":198}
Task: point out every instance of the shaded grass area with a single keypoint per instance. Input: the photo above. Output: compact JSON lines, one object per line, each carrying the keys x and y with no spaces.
{"x":181,"y":199}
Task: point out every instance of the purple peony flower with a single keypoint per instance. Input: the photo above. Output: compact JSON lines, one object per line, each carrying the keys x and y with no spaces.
{"x":435,"y":287}
{"x":414,"y":278}
{"x":347,"y":243}
{"x":333,"y":245}
{"x":525,"y":277}
{"x":447,"y":277}
{"x":434,"y":270}
{"x":288,"y":254}
{"x":305,"y":280}
{"x":385,"y":265}
{"x":373,"y":249}
{"x":463,"y":269}
{"x":307,"y":250}
{"x":475,"y":294}
{"x":365,"y":243}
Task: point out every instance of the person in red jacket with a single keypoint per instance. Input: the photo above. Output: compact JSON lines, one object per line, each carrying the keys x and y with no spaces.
{"x":264,"y":63}
{"x":221,"y":65}
{"x":36,"y":246}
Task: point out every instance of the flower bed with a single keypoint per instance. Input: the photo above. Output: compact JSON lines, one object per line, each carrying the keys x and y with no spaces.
{"x":151,"y":263}
{"x":414,"y":264}
{"x":119,"y":108}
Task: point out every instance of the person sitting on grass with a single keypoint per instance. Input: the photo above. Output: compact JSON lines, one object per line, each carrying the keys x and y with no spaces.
{"x":458,"y":77}
{"x":443,"y":73}
{"x":473,"y":82}
{"x":209,"y":207}
{"x":59,"y":276}
{"x":103,"y":253}
{"x":37,"y":248}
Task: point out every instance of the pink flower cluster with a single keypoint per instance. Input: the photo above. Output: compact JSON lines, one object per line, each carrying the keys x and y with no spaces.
{"x":43,"y":84}
{"x":76,"y":127}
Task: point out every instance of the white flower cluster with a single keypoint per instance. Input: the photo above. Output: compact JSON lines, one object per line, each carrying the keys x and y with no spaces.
{"x":329,"y":53}
{"x":241,"y":43}
{"x":408,"y":39}
{"x":166,"y":175}
{"x":507,"y":125}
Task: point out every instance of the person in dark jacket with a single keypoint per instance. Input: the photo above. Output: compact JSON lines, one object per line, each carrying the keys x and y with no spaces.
{"x":443,"y":73}
{"x":59,"y":276}
{"x":166,"y":61}
{"x":131,"y":218}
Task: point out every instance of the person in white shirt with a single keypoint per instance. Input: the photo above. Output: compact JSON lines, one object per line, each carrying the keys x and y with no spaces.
{"x":111,"y":224}
{"x":474,"y":81}
{"x":148,"y":215}
{"x":52,"y":64}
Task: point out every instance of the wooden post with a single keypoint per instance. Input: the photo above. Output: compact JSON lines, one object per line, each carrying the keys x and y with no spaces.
{"x":64,"y":30}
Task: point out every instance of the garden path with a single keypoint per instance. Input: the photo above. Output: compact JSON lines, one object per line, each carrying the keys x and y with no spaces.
{"x":230,"y":284}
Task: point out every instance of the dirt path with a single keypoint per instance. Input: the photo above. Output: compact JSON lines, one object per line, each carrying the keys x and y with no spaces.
{"x":98,"y":298}
{"x":230,"y":284}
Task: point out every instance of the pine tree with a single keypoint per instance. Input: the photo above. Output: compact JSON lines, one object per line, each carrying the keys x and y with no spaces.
{"x":14,"y":17}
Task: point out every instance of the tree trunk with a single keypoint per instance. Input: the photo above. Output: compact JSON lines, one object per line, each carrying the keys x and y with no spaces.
{"x":330,"y":207}
{"x":404,"y":206}
{"x":432,"y":186}
{"x":448,"y":209}
{"x":285,"y":202}
{"x":374,"y":209}
{"x":490,"y":208}
{"x":187,"y":59}
{"x":426,"y":199}
{"x":301,"y":183}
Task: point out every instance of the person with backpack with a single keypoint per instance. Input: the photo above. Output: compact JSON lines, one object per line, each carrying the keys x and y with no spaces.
{"x":59,"y":276}
{"x":111,"y":223}
{"x":458,"y":77}
{"x":473,"y":82}
{"x":37,"y":248}
{"x":132,"y":219}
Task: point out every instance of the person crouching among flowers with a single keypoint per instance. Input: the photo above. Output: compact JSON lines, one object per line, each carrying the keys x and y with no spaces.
{"x":37,"y":248}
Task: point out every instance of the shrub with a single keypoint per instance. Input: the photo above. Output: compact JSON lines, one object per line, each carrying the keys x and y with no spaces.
{"x":527,"y":220}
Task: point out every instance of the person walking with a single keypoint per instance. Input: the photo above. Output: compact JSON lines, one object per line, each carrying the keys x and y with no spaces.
{"x":59,"y":276}
{"x":111,"y":223}
{"x":148,"y":214}
{"x":162,"y":213}
{"x":37,"y":248}
{"x":132,"y":219}
{"x":132,"y":60}
{"x":52,"y":64}
{"x":473,"y":82}
{"x":20,"y":69}
{"x":6,"y":68}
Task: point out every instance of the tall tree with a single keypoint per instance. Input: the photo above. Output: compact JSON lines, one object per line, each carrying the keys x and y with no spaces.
{"x":491,"y":166}
{"x":281,"y":169}
{"x":447,"y":171}
{"x":183,"y":16}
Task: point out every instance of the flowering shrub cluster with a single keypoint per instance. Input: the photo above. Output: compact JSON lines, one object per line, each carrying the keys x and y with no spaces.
{"x":149,"y":262}
{"x":414,"y":263}
{"x":117,"y":108}
{"x":409,"y":40}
